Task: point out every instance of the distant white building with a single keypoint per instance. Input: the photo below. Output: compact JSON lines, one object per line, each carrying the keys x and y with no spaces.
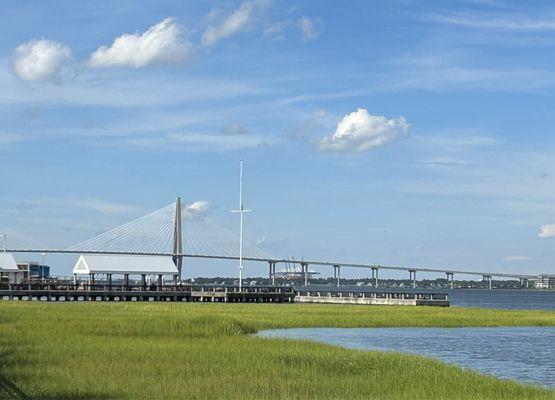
{"x":294,"y":274}
{"x":8,"y":268}
{"x":545,"y":282}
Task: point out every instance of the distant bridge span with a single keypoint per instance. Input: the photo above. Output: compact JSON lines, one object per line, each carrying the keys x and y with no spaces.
{"x":303,"y":263}
{"x":160,"y":234}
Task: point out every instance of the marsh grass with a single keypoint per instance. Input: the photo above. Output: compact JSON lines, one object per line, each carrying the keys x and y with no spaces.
{"x":198,"y":351}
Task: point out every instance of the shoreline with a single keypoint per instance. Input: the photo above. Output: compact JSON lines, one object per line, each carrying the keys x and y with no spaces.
{"x":386,"y":339}
{"x":99,"y":350}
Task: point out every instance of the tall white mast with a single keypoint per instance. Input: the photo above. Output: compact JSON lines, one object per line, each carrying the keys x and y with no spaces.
{"x":241,"y":211}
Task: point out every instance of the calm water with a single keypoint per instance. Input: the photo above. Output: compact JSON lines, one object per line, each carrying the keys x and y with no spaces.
{"x":526,"y":354}
{"x":504,"y":299}
{"x":511,"y":299}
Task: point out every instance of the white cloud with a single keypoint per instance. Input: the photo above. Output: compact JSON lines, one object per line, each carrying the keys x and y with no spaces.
{"x":446,"y":71}
{"x":459,"y":142}
{"x":260,"y":240}
{"x":439,"y":80}
{"x":233,"y":136}
{"x":118,"y":88}
{"x":503,"y":21}
{"x":360,"y":131}
{"x":7,"y":138}
{"x":547,"y":231}
{"x":39,"y":60}
{"x":237,"y":21}
{"x":445,"y":162}
{"x":195,"y":209}
{"x":56,"y":204}
{"x":202,"y":141}
{"x":101,"y":206}
{"x":310,"y":27}
{"x":517,"y":258}
{"x":276,"y":30}
{"x":162,"y":43}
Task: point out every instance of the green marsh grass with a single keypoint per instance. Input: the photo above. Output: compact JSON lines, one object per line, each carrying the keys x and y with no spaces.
{"x":205,"y":351}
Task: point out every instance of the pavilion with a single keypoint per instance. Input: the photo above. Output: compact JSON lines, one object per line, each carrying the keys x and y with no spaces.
{"x":124,"y":265}
{"x":8,"y":266}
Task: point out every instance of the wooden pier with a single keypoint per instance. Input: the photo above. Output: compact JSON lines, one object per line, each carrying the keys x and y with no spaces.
{"x":65,"y":291}
{"x":183,"y":293}
{"x":386,"y":298}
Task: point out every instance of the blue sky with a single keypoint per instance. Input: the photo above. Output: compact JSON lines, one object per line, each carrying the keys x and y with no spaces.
{"x":400,"y":132}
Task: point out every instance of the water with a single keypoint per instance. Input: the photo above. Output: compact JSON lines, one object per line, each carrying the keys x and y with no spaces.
{"x":509,"y":299}
{"x":525,"y":354}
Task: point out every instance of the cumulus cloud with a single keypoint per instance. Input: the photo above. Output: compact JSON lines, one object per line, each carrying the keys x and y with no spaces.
{"x":309,"y":27}
{"x":360,"y":131}
{"x":237,"y":21}
{"x":547,"y":231}
{"x":39,"y":60}
{"x":196,"y":209}
{"x":162,"y":43}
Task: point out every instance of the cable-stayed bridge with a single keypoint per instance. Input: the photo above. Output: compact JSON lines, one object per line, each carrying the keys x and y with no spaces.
{"x":172,"y":231}
{"x":155,"y":233}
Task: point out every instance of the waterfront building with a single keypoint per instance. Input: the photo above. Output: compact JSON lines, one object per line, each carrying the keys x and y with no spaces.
{"x":293,"y":274}
{"x":545,"y":282}
{"x":104,"y":265}
{"x":33,"y":270}
{"x":8,"y":269}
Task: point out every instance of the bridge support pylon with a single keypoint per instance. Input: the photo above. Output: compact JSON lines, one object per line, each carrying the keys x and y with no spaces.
{"x":523,"y":282}
{"x":450,"y":279}
{"x":178,"y":239}
{"x":375,"y":276}
{"x":337,"y":274}
{"x":412,"y":274}
{"x":488,"y":279}
{"x":272,"y":272}
{"x":304,"y":273}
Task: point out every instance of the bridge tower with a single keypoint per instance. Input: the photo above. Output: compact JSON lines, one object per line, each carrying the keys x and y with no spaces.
{"x":178,"y":239}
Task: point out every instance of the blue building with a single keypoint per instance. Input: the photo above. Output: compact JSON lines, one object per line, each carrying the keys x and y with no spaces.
{"x":34,"y":270}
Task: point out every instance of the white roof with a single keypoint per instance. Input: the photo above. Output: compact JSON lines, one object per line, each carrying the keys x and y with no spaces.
{"x":7,"y":263}
{"x":124,"y":264}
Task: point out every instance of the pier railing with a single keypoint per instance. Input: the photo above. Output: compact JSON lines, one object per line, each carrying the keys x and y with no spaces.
{"x":375,"y":294}
{"x":68,"y":291}
{"x":106,"y":291}
{"x":138,"y":287}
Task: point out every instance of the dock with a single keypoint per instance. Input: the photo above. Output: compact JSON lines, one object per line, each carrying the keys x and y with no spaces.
{"x":214,"y":293}
{"x":373,"y":298}
{"x":141,"y":292}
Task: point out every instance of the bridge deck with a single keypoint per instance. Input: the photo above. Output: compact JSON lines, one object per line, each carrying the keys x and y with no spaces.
{"x":453,"y":270}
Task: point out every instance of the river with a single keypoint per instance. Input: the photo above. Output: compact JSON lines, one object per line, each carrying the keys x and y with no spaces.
{"x":525,"y":354}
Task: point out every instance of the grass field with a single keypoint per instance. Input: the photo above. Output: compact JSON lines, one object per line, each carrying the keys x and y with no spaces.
{"x":170,"y":350}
